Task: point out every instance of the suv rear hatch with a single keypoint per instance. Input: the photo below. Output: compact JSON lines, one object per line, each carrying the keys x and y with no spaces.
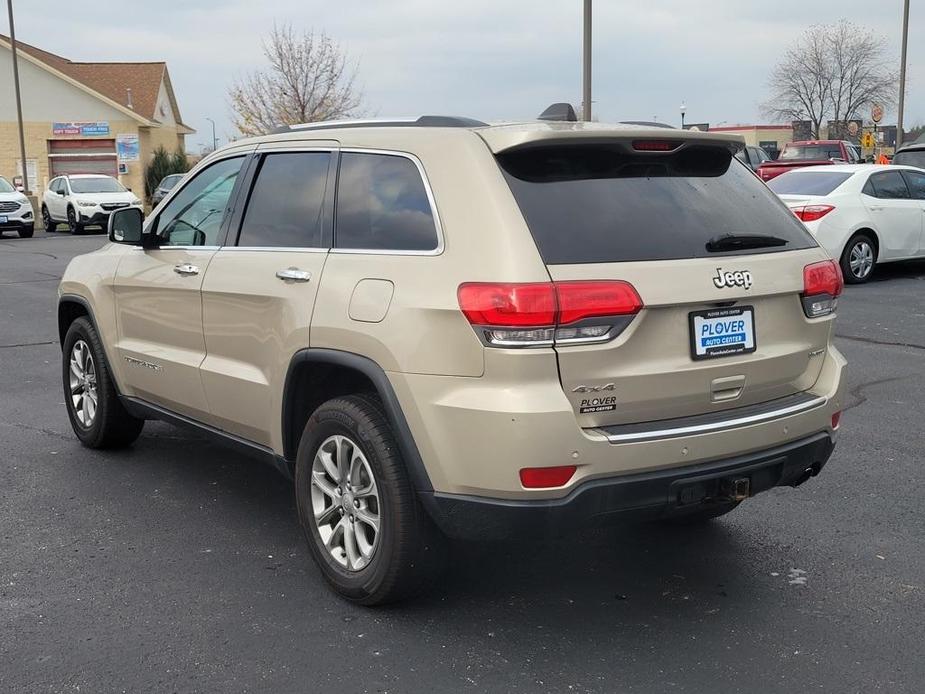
{"x":717,"y":261}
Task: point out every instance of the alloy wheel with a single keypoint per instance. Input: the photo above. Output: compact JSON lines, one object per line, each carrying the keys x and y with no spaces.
{"x":861,"y":259}
{"x":46,"y":219}
{"x":345,"y":502}
{"x":84,"y":396}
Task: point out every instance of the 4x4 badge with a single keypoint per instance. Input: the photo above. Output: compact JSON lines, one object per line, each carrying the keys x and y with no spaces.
{"x":739,"y":278}
{"x":594,"y":389}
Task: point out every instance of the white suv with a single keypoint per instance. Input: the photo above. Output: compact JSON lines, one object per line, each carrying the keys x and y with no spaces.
{"x":15,"y":211}
{"x":84,"y":200}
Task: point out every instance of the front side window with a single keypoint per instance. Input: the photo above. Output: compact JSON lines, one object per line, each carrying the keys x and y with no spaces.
{"x":382,"y":204}
{"x":889,"y":186}
{"x":101,"y":184}
{"x":194,"y":216}
{"x":287,"y":200}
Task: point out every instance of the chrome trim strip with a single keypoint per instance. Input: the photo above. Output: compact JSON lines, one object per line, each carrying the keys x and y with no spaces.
{"x":281,"y":249}
{"x":430,"y":199}
{"x":715,"y":426}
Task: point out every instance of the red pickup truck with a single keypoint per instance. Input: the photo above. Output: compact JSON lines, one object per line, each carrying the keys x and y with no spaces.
{"x":797,"y":155}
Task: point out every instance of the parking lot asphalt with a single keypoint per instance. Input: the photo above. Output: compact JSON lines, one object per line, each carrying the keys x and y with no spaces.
{"x":179,"y":566}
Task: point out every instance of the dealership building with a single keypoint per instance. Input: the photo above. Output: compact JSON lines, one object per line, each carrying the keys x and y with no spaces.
{"x":85,"y":117}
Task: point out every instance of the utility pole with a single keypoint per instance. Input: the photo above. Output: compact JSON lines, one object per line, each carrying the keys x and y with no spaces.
{"x":902,"y":76}
{"x":586,"y":65}
{"x":214,"y":139}
{"x":22,"y":136}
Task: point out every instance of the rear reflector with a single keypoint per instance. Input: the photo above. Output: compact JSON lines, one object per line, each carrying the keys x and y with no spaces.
{"x":836,"y":418}
{"x":546,"y":477}
{"x":533,"y":314}
{"x":811,"y":213}
{"x":655,"y":146}
{"x":822,"y":284}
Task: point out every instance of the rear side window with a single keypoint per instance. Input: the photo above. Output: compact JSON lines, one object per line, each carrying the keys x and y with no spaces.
{"x":889,"y":186}
{"x":911,"y":158}
{"x":382,"y":204}
{"x":807,"y":182}
{"x":602,"y":204}
{"x":286,"y":203}
{"x":916,"y":181}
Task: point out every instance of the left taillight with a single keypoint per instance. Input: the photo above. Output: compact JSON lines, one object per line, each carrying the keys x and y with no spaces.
{"x":812,"y":213}
{"x":544,"y":313}
{"x":822,"y":285}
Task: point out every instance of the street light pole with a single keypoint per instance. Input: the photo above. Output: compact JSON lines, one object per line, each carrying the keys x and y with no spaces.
{"x":902,"y":76}
{"x":214,"y":139}
{"x":22,"y":136}
{"x":586,"y":64}
{"x":683,"y":111}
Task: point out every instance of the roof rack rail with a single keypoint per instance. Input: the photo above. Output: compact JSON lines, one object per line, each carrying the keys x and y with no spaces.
{"x":422,"y":122}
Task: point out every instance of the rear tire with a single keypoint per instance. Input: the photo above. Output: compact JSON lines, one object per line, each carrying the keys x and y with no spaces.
{"x":49,"y":224}
{"x":97,"y":416}
{"x":702,"y":515}
{"x":350,"y":478}
{"x":859,"y":259}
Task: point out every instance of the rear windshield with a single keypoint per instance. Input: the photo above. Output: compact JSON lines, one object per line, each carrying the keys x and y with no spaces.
{"x":807,"y":182}
{"x":600,"y":204}
{"x":812,"y":152}
{"x":911,"y":158}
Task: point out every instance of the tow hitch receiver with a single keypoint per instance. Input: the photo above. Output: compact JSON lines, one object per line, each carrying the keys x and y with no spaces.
{"x":735,"y":490}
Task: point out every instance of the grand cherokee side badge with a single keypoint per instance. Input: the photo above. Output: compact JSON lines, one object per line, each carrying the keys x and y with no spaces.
{"x":738,"y":278}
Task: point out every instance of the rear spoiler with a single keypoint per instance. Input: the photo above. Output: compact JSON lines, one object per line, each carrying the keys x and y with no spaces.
{"x":521,"y":136}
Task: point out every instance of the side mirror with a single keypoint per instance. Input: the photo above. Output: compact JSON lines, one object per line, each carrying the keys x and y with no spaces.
{"x":125,"y":226}
{"x":61,"y":193}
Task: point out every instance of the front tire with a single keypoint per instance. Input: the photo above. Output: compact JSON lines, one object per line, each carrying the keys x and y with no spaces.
{"x":72,"y":222}
{"x":859,"y":259}
{"x":97,"y":416}
{"x":26,"y":232}
{"x":365,"y":528}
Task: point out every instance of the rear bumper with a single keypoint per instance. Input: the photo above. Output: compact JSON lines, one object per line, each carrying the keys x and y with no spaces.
{"x":628,"y":497}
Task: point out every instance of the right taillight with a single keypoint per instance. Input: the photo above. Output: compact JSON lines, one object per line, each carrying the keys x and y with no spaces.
{"x":812,"y":213}
{"x":822,"y":284}
{"x":539,"y":314}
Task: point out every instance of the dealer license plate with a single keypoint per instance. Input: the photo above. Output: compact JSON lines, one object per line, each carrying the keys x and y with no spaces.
{"x":722,"y":332}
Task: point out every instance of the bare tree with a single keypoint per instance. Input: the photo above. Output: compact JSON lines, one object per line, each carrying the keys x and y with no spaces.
{"x":832,"y":72}
{"x":309,"y":79}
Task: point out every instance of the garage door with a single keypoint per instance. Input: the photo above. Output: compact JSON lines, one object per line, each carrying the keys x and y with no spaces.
{"x":82,"y":157}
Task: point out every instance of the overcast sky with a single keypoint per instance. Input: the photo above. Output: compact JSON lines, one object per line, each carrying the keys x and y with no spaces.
{"x":488,"y":59}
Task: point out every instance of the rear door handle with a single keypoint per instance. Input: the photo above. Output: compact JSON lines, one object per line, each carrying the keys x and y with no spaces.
{"x":876,"y":208}
{"x":294,"y":274}
{"x":186,"y":269}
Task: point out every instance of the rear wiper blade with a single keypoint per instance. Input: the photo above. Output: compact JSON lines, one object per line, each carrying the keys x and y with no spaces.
{"x":735,"y":242}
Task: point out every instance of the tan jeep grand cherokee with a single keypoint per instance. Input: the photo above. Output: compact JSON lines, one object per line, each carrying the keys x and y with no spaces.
{"x":444,"y":328}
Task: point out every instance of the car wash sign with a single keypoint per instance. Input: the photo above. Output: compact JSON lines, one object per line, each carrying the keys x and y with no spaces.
{"x":81,"y":128}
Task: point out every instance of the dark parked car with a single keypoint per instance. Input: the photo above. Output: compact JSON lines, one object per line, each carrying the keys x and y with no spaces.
{"x":753,"y":157}
{"x":165,"y":186}
{"x":912,"y":154}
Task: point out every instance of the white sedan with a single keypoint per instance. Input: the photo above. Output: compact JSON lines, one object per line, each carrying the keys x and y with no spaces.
{"x":862,"y":214}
